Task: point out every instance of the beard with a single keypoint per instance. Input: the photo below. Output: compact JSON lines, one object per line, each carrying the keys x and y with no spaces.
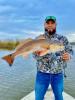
{"x":50,"y":32}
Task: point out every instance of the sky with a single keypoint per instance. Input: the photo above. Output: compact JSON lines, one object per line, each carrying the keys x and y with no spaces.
{"x":21,"y":19}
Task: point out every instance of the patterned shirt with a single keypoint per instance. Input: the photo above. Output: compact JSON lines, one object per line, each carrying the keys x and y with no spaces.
{"x":52,"y":62}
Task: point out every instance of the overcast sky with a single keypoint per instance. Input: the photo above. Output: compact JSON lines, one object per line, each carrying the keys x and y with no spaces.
{"x":25,"y":18}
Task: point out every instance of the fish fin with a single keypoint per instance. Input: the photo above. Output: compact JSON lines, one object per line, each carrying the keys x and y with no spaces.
{"x":23,"y":42}
{"x":9,"y":59}
{"x":40,"y":37}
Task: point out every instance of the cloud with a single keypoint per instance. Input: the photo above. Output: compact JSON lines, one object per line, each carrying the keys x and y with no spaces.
{"x":4,"y":36}
{"x":24,"y":34}
{"x":22,"y":16}
{"x":4,"y":8}
{"x":30,"y":34}
{"x":71,"y":37}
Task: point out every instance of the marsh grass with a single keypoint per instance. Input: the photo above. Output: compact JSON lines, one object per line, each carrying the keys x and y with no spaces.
{"x":8,"y":45}
{"x":11,"y":45}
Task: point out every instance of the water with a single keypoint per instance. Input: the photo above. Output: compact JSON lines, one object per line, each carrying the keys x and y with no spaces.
{"x":18,"y":80}
{"x":69,"y":82}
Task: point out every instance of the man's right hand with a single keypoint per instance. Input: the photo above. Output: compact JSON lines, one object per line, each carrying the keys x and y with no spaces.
{"x":42,"y":52}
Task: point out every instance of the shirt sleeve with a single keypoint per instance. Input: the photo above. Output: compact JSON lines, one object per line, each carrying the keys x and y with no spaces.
{"x":68,"y":46}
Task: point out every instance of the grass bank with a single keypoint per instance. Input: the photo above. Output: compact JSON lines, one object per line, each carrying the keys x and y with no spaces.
{"x":11,"y":45}
{"x":8,"y":45}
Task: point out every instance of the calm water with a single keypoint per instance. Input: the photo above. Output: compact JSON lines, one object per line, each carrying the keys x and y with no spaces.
{"x":18,"y":80}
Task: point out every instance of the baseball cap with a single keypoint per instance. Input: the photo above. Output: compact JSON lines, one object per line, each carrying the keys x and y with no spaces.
{"x":53,"y":18}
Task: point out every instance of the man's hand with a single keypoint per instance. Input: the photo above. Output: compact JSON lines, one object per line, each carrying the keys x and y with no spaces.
{"x":42,"y":52}
{"x":25,"y":55}
{"x":66,"y":56}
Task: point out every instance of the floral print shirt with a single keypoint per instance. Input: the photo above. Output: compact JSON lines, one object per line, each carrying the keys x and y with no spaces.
{"x":52,"y":62}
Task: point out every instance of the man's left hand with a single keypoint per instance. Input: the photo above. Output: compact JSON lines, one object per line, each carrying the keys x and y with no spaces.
{"x":66,"y":56}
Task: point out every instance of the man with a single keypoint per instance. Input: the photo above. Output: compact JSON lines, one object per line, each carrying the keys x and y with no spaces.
{"x":50,"y":65}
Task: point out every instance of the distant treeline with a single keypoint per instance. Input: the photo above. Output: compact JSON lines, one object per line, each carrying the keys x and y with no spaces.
{"x":73,"y":43}
{"x":8,"y":45}
{"x":11,"y":45}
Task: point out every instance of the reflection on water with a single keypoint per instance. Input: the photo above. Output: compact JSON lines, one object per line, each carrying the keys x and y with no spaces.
{"x":70,"y":80}
{"x":18,"y":80}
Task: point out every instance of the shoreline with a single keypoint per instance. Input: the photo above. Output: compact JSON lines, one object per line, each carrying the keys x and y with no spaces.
{"x":8,"y":45}
{"x":11,"y":45}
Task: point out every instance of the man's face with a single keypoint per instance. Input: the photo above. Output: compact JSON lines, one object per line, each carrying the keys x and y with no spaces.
{"x":50,"y":27}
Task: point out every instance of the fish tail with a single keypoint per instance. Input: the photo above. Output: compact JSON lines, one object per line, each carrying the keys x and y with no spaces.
{"x":9,"y":59}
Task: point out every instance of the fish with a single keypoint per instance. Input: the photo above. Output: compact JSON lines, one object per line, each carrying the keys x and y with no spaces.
{"x":32,"y":45}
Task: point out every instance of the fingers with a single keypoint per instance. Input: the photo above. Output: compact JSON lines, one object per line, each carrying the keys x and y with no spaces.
{"x":66,"y":56}
{"x":41,"y":52}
